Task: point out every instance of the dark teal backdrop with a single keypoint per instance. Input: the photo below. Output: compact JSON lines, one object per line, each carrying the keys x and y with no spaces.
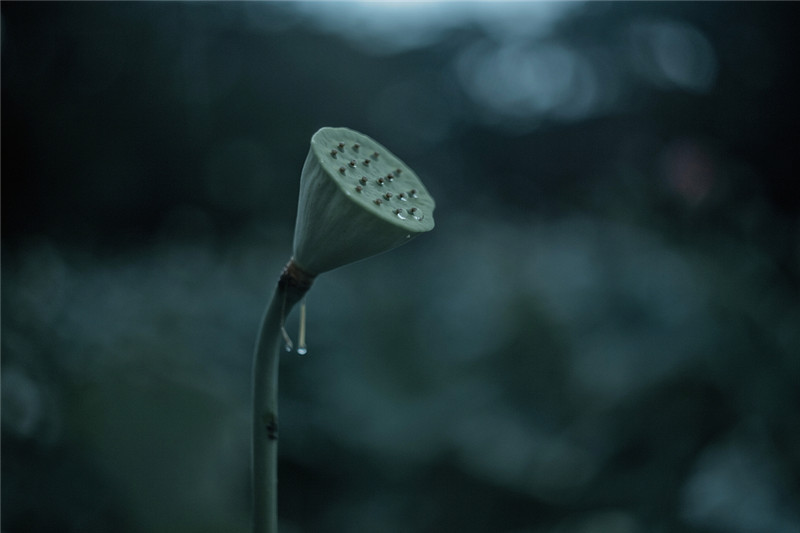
{"x":601,"y":334}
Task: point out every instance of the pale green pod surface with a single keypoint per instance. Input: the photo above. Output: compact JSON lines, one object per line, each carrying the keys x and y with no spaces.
{"x":357,"y":199}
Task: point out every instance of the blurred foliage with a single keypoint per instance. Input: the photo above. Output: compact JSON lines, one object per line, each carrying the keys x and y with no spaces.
{"x":600,"y":336}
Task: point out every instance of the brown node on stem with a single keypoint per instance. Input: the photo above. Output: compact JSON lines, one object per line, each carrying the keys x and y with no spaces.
{"x":293,"y":278}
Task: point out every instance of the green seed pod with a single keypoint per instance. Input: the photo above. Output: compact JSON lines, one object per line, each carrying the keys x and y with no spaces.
{"x":357,"y":199}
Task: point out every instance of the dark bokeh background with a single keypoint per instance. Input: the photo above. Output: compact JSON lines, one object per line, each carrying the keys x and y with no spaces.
{"x":602,"y":335}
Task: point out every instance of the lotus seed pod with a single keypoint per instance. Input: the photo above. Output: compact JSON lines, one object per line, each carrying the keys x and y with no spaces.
{"x":351,"y":206}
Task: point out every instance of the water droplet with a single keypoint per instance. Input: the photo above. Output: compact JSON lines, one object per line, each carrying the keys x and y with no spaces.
{"x":352,"y":163}
{"x":390,"y":176}
{"x":380,"y":181}
{"x":301,"y":336}
{"x":402,"y":197}
{"x":287,"y":342}
{"x":413,"y":193}
{"x":416,"y":213}
{"x":399,"y":213}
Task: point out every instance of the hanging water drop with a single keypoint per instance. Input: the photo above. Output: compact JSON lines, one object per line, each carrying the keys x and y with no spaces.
{"x":302,"y":349}
{"x":287,"y":342}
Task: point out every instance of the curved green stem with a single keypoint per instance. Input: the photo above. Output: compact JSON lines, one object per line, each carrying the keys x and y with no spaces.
{"x":291,"y":287}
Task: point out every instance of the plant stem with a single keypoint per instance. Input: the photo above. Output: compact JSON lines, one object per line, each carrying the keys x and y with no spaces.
{"x":291,"y":287}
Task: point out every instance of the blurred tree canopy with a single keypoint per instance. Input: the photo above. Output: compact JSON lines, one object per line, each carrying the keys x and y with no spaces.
{"x":601,"y":335}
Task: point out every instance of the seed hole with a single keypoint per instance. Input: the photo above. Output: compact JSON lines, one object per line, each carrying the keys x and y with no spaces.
{"x":341,"y":169}
{"x":334,"y":152}
{"x":388,"y":196}
{"x":356,"y":146}
{"x":378,"y":201}
{"x":363,"y":180}
{"x":341,"y":147}
{"x":359,"y":188}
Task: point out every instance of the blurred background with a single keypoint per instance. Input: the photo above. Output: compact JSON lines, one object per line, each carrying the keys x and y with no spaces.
{"x":600,"y":336}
